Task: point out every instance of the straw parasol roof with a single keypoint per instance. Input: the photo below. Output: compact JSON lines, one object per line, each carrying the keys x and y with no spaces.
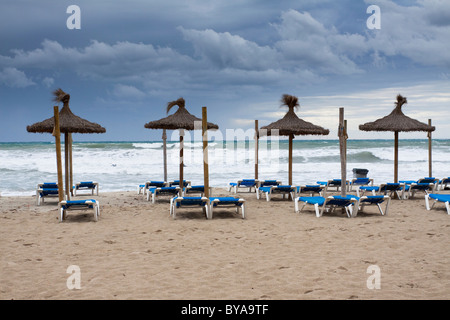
{"x":69,"y":123}
{"x":291,"y":123}
{"x":181,"y":119}
{"x":397,"y":121}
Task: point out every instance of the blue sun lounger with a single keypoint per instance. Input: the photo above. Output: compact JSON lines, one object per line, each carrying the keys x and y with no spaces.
{"x":445,"y":198}
{"x":383,"y":189}
{"x":266,"y":183}
{"x":374,"y":200}
{"x":280,"y":189}
{"x":412,"y":188}
{"x":444,"y":184}
{"x":334,"y":183}
{"x":177,"y":183}
{"x":86,"y":185}
{"x":65,"y":206}
{"x":426,"y":185}
{"x":148,"y":184}
{"x":179,"y":202}
{"x":244,"y":183}
{"x":238,"y":203}
{"x":194,"y":190}
{"x":358,"y":182}
{"x":311,"y":189}
{"x":349,"y":202}
{"x":44,"y":190}
{"x":162,"y":191}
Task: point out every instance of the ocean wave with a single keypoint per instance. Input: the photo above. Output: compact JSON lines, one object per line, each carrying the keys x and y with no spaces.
{"x":363,"y":157}
{"x":125,"y":164}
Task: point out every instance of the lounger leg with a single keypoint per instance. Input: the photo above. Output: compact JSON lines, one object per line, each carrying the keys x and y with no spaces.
{"x":38,"y":201}
{"x":316,"y":208}
{"x":296,"y":205}
{"x":387,"y":206}
{"x":62,"y":214}
{"x":209,"y":212}
{"x":174,"y":209}
{"x":427,"y":202}
{"x":448,"y":207}
{"x":379,"y":208}
{"x":95,"y":213}
{"x":349,"y":211}
{"x":154,"y":197}
{"x":268,"y":196}
{"x":243,"y":211}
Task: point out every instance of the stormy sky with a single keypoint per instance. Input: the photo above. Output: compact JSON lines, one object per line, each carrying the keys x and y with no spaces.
{"x":129,"y":58}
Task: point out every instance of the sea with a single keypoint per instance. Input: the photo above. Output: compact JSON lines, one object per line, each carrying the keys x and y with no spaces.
{"x":123,"y":165}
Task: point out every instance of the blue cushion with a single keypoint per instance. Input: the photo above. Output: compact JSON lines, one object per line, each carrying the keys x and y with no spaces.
{"x":313,"y":200}
{"x":72,"y":203}
{"x":50,"y":185}
{"x":265,"y":189}
{"x":373,"y":199}
{"x":48,"y":191}
{"x":226,"y":200}
{"x":190,"y":201}
{"x":248,"y":182}
{"x":440,"y":197}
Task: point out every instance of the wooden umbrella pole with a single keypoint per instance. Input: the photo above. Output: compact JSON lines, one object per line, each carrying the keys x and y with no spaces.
{"x":342,"y":148}
{"x":164,"y":138}
{"x":71,"y":163}
{"x":181,"y":158}
{"x":291,"y":138}
{"x":256,"y":149}
{"x":430,"y":153}
{"x":396,"y":157}
{"x":57,"y":135}
{"x":66,"y":154}
{"x":205,"y":151}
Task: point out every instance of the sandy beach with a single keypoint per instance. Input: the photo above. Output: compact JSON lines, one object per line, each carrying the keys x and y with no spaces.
{"x":137,"y":251}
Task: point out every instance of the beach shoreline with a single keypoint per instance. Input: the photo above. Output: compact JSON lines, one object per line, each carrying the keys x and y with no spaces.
{"x":137,"y":251}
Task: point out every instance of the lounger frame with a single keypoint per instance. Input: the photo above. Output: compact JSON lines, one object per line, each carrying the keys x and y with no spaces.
{"x":427,"y":202}
{"x":177,"y":202}
{"x":238,"y":203}
{"x":269,"y":191}
{"x":250,"y":184}
{"x":65,"y":206}
{"x":160,"y":191}
{"x":330,"y":203}
{"x":86,"y":185}
{"x":44,"y":190}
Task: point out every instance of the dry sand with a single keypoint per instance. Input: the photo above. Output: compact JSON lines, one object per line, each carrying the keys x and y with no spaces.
{"x":137,"y":251}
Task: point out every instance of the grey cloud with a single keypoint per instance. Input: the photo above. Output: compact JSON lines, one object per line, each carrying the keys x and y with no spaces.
{"x":14,"y":78}
{"x":231,"y":51}
{"x":413,"y":32}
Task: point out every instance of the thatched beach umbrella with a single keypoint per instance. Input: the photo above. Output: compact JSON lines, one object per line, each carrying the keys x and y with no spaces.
{"x":397,"y":122}
{"x":291,"y":125}
{"x":180,"y":120}
{"x":69,"y":123}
